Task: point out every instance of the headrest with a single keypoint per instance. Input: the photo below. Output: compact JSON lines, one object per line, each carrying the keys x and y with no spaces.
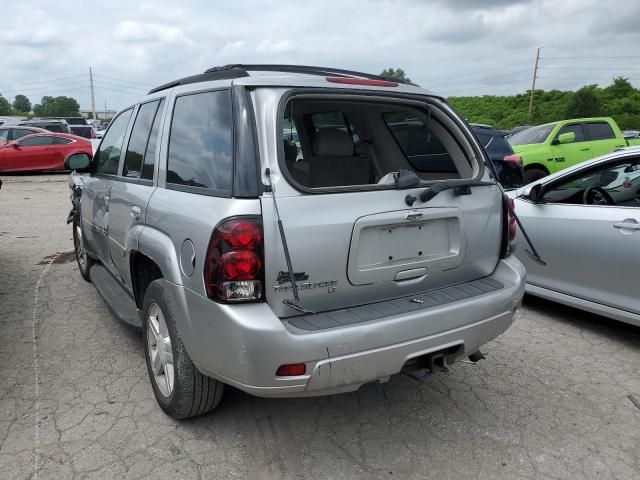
{"x":290,"y":151}
{"x":332,"y":142}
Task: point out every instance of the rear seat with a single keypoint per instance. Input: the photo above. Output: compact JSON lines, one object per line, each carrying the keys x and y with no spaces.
{"x":333,"y":163}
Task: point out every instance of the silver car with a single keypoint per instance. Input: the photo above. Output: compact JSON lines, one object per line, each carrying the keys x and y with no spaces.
{"x":381,"y":243}
{"x":585,"y":223}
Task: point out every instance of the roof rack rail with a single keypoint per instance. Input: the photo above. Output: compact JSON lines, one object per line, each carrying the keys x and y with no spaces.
{"x":242,"y":70}
{"x":304,"y":69}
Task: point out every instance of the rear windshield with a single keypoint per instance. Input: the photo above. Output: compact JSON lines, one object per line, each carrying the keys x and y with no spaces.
{"x":345,"y":143}
{"x":531,"y":135}
{"x":495,"y":145}
{"x":54,"y":127}
{"x":82,"y":131}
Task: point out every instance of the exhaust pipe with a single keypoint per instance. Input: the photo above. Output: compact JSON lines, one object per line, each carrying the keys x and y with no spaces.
{"x":476,"y":356}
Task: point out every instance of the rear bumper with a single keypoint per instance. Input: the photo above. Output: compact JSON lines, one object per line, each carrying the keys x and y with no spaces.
{"x":243,"y":345}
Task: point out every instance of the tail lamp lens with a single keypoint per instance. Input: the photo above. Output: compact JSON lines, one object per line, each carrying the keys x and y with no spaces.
{"x":512,"y":227}
{"x":291,"y":370}
{"x":234,"y":270}
{"x":516,"y":159}
{"x":240,"y":234}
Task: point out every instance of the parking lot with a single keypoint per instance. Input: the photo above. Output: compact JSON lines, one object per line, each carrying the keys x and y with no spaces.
{"x":550,"y":400}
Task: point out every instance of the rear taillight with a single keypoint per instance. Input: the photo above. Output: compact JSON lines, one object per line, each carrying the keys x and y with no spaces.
{"x":234,"y":268}
{"x":512,"y":227}
{"x":517,"y":159}
{"x":509,"y":227}
{"x":291,"y":370}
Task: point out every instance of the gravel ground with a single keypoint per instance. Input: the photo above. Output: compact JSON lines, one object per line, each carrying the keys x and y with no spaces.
{"x":549,"y":401}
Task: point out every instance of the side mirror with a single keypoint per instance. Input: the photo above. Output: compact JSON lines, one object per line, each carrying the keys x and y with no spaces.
{"x":80,"y":162}
{"x":536,"y":193}
{"x":568,"y":137}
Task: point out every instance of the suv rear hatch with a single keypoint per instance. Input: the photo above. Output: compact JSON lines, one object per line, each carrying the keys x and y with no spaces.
{"x":352,"y":236}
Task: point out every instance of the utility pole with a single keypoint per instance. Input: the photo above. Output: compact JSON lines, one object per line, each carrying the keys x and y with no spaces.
{"x":105,"y":109}
{"x":533,"y":83}
{"x":93,"y":98}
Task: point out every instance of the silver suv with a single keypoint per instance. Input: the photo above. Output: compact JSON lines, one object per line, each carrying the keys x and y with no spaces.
{"x":293,"y":234}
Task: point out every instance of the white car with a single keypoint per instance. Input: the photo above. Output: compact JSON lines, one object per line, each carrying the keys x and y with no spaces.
{"x":585,"y":224}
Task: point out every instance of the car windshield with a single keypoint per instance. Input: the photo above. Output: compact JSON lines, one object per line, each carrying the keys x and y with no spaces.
{"x":532,"y":135}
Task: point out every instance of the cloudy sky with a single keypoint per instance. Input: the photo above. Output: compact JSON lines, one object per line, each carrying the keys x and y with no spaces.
{"x":453,"y":47}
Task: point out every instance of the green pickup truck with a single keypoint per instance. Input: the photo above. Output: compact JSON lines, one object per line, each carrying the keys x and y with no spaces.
{"x":545,"y":149}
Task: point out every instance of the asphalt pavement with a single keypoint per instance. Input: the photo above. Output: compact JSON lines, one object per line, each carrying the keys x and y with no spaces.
{"x":551,"y":399}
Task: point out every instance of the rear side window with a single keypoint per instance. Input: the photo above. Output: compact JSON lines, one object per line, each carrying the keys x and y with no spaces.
{"x":424,"y":151}
{"x":575,"y":128}
{"x":4,"y":133}
{"x":107,"y":157}
{"x":200,"y":142}
{"x":599,"y":131}
{"x":150,"y":154}
{"x":61,"y":141}
{"x":138,"y":140}
{"x":36,"y":141}
{"x":21,"y":132}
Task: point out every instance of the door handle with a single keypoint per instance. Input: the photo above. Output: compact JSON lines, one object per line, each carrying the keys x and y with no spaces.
{"x":135,"y":212}
{"x":627,"y":225}
{"x":585,"y":149}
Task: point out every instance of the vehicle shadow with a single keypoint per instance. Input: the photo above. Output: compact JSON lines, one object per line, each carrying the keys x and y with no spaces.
{"x":613,"y":329}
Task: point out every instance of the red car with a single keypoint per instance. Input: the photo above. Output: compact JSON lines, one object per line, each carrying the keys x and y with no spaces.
{"x":42,"y":151}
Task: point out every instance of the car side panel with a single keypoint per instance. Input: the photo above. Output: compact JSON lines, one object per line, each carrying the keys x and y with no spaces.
{"x":124,"y":226}
{"x":585,"y":255}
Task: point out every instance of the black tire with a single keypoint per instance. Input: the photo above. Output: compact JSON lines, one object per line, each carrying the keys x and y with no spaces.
{"x":534,"y":174}
{"x":193,"y":393}
{"x":84,"y":261}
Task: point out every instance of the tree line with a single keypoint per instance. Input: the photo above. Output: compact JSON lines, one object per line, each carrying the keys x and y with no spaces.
{"x":49,"y":106}
{"x":619,"y":100}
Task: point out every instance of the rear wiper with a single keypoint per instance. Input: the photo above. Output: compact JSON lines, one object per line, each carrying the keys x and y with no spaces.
{"x":460,"y":187}
{"x":295,"y":304}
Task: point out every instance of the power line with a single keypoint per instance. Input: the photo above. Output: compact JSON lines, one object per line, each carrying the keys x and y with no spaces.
{"x":588,"y":58}
{"x":121,"y":80}
{"x":486,"y":78}
{"x":518,"y":82}
{"x":553,"y":67}
{"x":43,"y":89}
{"x":110,"y":89}
{"x":473,"y":73}
{"x":580,"y":78}
{"x":42,"y":81}
{"x":121,"y":86}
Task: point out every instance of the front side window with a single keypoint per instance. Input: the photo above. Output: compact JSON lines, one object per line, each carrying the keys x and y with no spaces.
{"x":200,"y":142}
{"x":610,"y":184}
{"x":4,"y":133}
{"x":576,"y":128}
{"x":108,"y":155}
{"x":36,"y":141}
{"x":138,"y":140}
{"x":600,"y":131}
